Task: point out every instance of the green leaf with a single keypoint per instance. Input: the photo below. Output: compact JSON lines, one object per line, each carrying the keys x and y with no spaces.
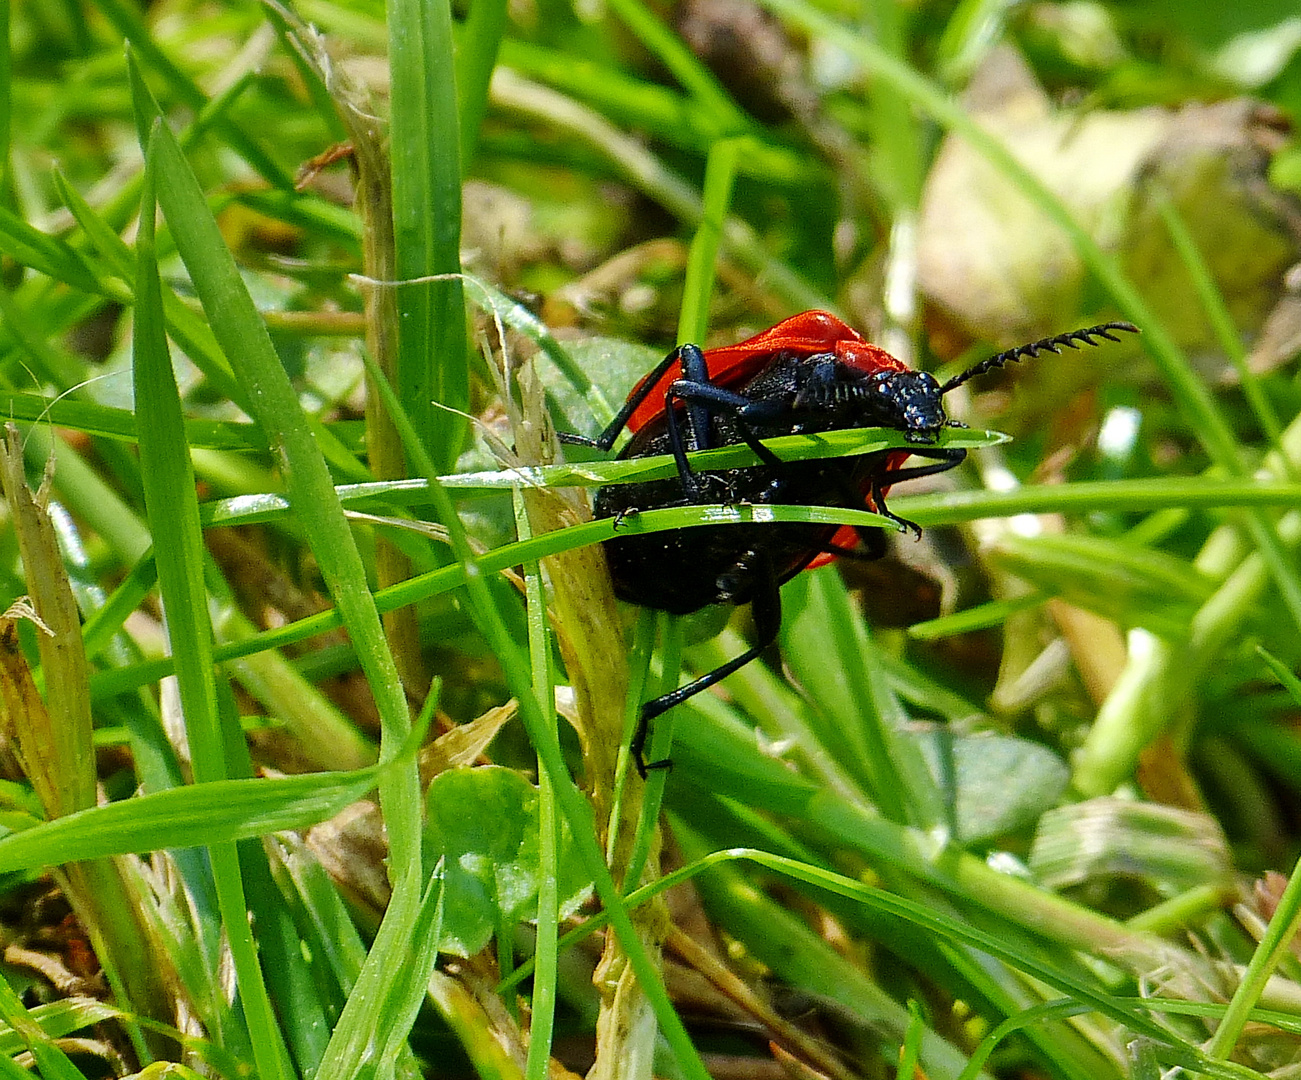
{"x":484,"y":823}
{"x":423,"y":141}
{"x":996,"y":783}
{"x":294,"y":440}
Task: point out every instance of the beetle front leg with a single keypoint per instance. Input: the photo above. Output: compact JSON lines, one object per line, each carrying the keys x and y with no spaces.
{"x":605,"y":441}
{"x":715,"y":399}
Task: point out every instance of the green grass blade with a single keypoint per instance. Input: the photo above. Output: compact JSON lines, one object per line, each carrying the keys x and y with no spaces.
{"x":173,"y":510}
{"x":546,"y":958}
{"x":475,"y":58}
{"x":52,"y":1062}
{"x":381,"y":1006}
{"x":720,"y":172}
{"x":862,"y":721}
{"x":245,"y":341}
{"x":1267,"y":957}
{"x":424,"y":143}
{"x":220,"y":811}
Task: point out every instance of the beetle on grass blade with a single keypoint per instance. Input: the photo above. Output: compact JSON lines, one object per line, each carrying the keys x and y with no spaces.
{"x":809,"y":374}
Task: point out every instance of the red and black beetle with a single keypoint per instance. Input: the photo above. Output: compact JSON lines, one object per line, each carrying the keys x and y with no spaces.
{"x":808,"y":374}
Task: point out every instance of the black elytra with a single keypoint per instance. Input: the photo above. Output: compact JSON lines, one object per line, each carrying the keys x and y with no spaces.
{"x":810,"y":374}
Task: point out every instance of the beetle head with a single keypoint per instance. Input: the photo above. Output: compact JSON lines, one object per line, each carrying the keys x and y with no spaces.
{"x":907,"y":400}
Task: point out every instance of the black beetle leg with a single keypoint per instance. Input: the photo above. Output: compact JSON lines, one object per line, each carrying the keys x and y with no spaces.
{"x":641,"y":392}
{"x":879,"y":484}
{"x":766,"y":608}
{"x":946,"y":460}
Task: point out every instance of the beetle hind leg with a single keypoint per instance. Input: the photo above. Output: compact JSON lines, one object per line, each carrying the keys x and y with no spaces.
{"x":756,"y":570}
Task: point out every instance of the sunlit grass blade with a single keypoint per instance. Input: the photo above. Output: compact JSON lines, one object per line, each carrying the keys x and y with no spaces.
{"x":597,"y":474}
{"x":245,"y":341}
{"x":546,"y":972}
{"x":382,"y":1002}
{"x":173,"y":509}
{"x":862,"y":722}
{"x":221,"y":811}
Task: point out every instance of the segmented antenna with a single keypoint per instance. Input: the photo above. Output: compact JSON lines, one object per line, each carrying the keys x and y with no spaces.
{"x":1036,"y":347}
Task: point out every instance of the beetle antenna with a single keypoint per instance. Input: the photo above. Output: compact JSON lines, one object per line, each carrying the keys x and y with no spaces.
{"x":1052,"y":344}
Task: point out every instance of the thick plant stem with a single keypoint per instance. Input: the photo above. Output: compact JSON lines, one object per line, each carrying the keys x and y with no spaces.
{"x":590,"y":636}
{"x":53,"y":745}
{"x":374,"y":202}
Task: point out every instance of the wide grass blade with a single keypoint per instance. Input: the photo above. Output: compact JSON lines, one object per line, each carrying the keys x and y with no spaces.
{"x":219,"y":811}
{"x":173,"y":509}
{"x":253,"y":358}
{"x":424,"y":141}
